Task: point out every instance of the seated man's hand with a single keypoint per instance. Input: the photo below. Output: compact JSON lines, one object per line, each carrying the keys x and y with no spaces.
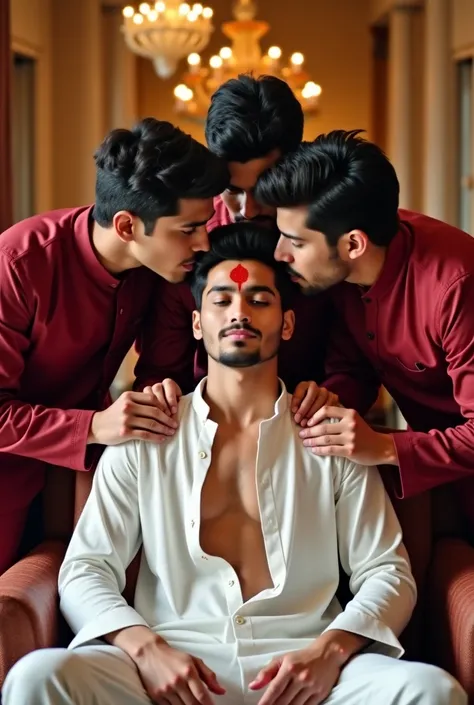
{"x":133,"y":416}
{"x":167,"y":394}
{"x":172,"y":676}
{"x":300,"y":677}
{"x":308,"y":398}
{"x":343,"y":432}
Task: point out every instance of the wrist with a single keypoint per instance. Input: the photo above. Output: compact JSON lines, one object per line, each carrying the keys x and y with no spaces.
{"x":135,"y":641}
{"x":387,"y":449}
{"x":340,"y":646}
{"x":92,"y":435}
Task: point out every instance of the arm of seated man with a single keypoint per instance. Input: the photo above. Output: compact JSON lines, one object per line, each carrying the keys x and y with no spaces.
{"x":372,"y":554}
{"x":93,"y":576}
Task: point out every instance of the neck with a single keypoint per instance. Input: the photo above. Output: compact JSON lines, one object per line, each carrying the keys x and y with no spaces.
{"x":242,"y":397}
{"x":111,"y":251}
{"x":368,"y":268}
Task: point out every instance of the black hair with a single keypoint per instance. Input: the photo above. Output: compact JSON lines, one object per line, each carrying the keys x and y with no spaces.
{"x":347,"y":183}
{"x":148,"y":169}
{"x":250,"y":117}
{"x":241,"y":241}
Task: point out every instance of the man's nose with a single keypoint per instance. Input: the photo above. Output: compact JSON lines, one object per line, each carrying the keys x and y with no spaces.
{"x":281,"y":252}
{"x":250,"y":207}
{"x":201,"y":240}
{"x":240,"y":312}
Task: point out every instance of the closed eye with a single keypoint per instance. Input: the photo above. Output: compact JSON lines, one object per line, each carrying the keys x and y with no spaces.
{"x":253,"y":302}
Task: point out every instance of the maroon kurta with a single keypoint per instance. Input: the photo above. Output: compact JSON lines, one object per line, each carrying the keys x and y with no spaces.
{"x":66,"y":324}
{"x":168,"y":348}
{"x":414,"y":329}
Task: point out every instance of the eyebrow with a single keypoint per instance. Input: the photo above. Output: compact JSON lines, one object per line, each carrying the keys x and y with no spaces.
{"x":198,"y":224}
{"x":226,"y":288}
{"x":292,"y":237}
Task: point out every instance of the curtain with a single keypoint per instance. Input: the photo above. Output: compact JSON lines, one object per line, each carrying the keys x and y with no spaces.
{"x":6,"y":195}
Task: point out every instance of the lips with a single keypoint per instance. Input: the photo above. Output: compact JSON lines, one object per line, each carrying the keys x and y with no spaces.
{"x":240,"y":334}
{"x":188,"y":266}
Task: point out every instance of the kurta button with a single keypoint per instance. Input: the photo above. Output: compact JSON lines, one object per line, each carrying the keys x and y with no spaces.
{"x":370,"y":335}
{"x":239,"y":620}
{"x":367,"y":300}
{"x":121,"y":311}
{"x":202,"y":454}
{"x":231,"y":583}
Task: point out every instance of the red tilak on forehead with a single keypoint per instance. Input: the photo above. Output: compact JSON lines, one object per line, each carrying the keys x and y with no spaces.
{"x":239,"y":275}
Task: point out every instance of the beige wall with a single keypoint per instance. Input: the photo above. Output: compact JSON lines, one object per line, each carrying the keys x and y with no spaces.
{"x":379,"y":9}
{"x":78,"y":99}
{"x":335,"y":60}
{"x":463,"y":26}
{"x":32,"y":35}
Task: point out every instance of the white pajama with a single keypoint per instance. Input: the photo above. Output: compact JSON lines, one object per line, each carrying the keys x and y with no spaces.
{"x":104,"y":675}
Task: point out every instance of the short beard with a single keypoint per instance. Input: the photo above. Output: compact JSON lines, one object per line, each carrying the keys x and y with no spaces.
{"x":237,"y":359}
{"x":240,"y":359}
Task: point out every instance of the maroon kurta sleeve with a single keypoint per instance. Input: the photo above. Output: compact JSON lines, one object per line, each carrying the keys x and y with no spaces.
{"x":54,"y":436}
{"x":348,"y":372}
{"x":430,"y":459}
{"x":166,"y":345}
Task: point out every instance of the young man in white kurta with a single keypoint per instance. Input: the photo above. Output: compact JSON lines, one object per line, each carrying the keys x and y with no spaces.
{"x":314,"y":511}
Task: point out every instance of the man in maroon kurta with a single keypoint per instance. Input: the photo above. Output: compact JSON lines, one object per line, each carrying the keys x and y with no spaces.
{"x":251,"y":124}
{"x":73,"y":295}
{"x":403,"y":286}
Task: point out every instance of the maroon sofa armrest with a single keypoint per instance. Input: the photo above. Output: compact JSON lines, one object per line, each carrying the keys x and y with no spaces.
{"x":29,"y":615}
{"x":451,"y":610}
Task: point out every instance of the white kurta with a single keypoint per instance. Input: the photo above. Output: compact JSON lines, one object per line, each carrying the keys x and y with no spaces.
{"x":313,"y":511}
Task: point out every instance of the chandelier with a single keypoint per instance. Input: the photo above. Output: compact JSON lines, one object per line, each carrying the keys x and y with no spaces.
{"x":166,"y":32}
{"x":243,"y":56}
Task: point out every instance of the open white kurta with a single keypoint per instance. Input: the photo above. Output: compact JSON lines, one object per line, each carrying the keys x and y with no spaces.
{"x":314,"y":512}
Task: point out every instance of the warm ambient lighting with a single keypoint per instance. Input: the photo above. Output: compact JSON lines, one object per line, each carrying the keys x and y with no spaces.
{"x":170,"y":30}
{"x":243,"y":56}
{"x":274,"y":53}
{"x":167,"y":32}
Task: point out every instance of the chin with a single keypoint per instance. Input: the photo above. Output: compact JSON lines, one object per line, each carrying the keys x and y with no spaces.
{"x":173,"y":277}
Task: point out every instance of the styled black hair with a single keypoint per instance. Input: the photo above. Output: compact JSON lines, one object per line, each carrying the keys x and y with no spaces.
{"x":250,"y":117}
{"x":347,"y":183}
{"x":148,"y":169}
{"x":241,"y":241}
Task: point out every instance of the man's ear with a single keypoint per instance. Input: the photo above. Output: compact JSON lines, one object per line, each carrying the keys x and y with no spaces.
{"x":125,"y":224}
{"x":352,"y":245}
{"x":197,"y":332}
{"x":288,"y":325}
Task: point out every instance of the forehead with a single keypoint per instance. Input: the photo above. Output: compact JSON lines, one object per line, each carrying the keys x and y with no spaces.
{"x":194,"y":210}
{"x":292,"y":221}
{"x":258,"y":274}
{"x":244,"y":175}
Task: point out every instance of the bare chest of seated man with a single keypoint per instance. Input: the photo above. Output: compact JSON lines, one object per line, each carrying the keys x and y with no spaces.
{"x":230,"y":515}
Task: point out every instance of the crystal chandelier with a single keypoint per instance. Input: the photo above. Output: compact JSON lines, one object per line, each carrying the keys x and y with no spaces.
{"x":166,"y":32}
{"x":243,"y":56}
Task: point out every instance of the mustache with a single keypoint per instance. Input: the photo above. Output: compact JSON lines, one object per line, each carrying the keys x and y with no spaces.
{"x":241,"y":326}
{"x":293,"y":273}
